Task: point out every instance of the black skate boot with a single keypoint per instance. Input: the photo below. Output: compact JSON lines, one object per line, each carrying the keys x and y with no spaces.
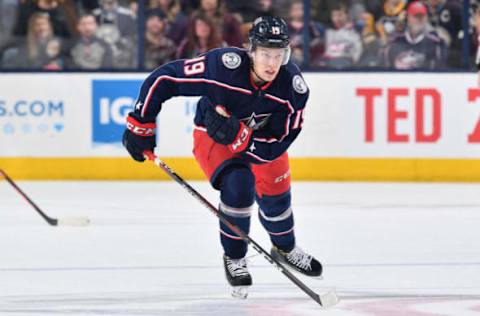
{"x":298,"y":260}
{"x":238,"y":276}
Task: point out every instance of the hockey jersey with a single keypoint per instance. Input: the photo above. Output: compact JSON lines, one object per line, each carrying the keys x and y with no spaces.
{"x":275,"y":112}
{"x":424,"y":52}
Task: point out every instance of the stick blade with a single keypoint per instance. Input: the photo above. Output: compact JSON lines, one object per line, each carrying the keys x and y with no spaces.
{"x":329,"y":299}
{"x":73,"y":221}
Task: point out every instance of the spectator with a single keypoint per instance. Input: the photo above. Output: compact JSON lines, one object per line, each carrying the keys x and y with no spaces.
{"x":111,"y":14}
{"x":88,"y":5}
{"x":224,"y":22}
{"x":159,"y":49}
{"x":266,"y":8}
{"x":88,"y":51}
{"x":296,"y":26}
{"x":473,"y":31}
{"x":364,"y":22}
{"x":189,"y":6}
{"x":202,"y":37}
{"x":39,"y":50}
{"x":392,"y":21}
{"x":117,"y":28}
{"x":477,"y":33}
{"x":133,"y":5}
{"x":320,"y":10}
{"x":343,"y":45}
{"x":245,"y":11}
{"x":61,"y":13}
{"x":373,"y":7}
{"x":416,"y":47}
{"x":177,"y":20}
{"x":8,"y":11}
{"x":446,"y":20}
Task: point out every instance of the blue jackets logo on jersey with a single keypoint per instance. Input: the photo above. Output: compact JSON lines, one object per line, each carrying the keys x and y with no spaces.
{"x":299,"y":84}
{"x":231,"y":60}
{"x":256,"y":121}
{"x":111,"y":102}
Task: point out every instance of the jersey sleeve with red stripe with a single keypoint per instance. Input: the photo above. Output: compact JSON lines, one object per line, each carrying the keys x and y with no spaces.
{"x":178,"y":78}
{"x":282,"y":130}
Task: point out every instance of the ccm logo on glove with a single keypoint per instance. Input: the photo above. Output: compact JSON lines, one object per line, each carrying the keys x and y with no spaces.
{"x":140,"y":129}
{"x":241,"y":141}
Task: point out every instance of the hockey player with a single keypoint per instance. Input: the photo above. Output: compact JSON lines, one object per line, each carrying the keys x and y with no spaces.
{"x":250,"y":112}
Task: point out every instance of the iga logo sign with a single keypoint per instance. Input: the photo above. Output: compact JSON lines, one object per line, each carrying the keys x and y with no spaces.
{"x":111,"y":101}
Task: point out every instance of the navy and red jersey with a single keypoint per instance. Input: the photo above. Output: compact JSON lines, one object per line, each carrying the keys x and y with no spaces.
{"x":424,"y":52}
{"x":222,"y":77}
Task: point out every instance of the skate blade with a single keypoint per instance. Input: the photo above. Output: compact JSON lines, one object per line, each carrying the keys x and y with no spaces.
{"x":240,"y":292}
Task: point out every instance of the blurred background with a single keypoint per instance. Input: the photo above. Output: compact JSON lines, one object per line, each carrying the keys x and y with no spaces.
{"x":122,"y":35}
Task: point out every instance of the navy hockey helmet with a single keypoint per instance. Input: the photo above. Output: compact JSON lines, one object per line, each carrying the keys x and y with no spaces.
{"x":268,"y":31}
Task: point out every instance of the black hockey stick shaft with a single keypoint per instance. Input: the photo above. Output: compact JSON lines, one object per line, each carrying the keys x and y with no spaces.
{"x":233,"y":227}
{"x":51,"y":221}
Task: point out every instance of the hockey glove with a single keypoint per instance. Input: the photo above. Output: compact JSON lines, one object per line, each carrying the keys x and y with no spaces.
{"x":226,"y":129}
{"x":139,"y":136}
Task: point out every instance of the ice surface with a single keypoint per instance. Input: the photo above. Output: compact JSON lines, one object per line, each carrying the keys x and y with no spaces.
{"x":151,"y":249}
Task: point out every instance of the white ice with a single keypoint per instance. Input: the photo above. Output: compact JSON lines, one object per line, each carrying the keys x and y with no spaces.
{"x":151,"y":249}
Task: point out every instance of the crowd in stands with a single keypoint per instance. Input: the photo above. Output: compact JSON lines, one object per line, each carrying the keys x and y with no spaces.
{"x":341,"y":34}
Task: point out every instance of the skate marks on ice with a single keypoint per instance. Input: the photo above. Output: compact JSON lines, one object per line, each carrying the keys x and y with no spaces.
{"x":359,"y":234}
{"x":167,"y":303}
{"x":265,"y":300}
{"x":412,"y":302}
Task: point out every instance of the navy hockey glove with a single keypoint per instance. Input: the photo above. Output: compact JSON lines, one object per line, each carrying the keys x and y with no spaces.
{"x":139,"y":136}
{"x":226,"y":129}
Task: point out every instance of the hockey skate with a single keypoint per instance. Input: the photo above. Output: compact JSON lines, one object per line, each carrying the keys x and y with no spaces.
{"x":299,"y":261}
{"x":238,"y":276}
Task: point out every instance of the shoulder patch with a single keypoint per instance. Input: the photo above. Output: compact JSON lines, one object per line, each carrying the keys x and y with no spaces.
{"x":231,"y":60}
{"x":299,"y":84}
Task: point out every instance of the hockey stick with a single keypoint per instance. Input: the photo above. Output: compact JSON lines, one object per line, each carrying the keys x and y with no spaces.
{"x":325,"y":300}
{"x":69,"y":221}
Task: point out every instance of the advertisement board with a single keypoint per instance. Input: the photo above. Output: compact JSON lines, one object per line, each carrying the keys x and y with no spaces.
{"x":395,"y":119}
{"x":395,"y":115}
{"x":79,"y":115}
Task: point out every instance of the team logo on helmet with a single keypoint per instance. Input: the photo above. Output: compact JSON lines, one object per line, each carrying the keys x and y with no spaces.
{"x":299,"y":84}
{"x":231,"y":60}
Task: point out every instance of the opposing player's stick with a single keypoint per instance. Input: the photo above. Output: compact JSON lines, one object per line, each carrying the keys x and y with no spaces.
{"x":325,"y":300}
{"x":69,"y":221}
